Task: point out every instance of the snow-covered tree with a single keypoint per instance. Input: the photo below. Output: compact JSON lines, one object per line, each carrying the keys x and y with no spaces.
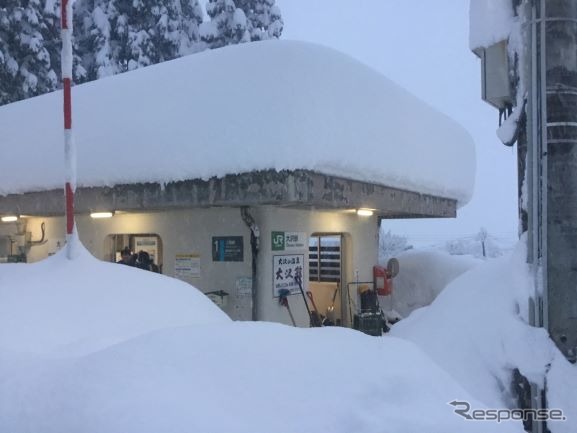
{"x":191,"y":18}
{"x":482,"y":237}
{"x":481,"y":245}
{"x":9,"y":88}
{"x":114,"y":36}
{"x":26,"y":64}
{"x":391,"y":245}
{"x":143,"y":32}
{"x":51,"y":34}
{"x":93,"y":53}
{"x":227,"y":25}
{"x":264,"y":18}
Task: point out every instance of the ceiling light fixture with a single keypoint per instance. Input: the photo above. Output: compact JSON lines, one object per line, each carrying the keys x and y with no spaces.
{"x":365,"y":212}
{"x":101,"y":214}
{"x":9,"y":218}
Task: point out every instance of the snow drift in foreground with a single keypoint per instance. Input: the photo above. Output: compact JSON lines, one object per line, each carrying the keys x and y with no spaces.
{"x":288,"y":105}
{"x":242,"y":377}
{"x":422,"y":276}
{"x":58,"y":305}
{"x":156,"y":356}
{"x":110,"y":356}
{"x":477,"y":330}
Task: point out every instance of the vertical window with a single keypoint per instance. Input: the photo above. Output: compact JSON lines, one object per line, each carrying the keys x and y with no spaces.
{"x":325,"y":258}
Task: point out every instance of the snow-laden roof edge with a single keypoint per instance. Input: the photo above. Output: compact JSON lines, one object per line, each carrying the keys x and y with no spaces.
{"x":268,"y":105}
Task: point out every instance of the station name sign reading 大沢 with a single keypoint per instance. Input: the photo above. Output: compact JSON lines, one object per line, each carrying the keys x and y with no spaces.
{"x":289,"y":241}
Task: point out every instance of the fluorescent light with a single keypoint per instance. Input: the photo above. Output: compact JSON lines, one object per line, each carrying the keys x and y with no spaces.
{"x":9,"y":218}
{"x":364,"y":212}
{"x":101,"y":214}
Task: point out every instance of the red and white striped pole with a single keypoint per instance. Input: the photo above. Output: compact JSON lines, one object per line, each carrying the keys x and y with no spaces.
{"x":69,"y":148}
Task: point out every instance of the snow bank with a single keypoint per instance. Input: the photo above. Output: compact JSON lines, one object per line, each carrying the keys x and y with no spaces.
{"x":268,"y":105}
{"x":422,"y":276}
{"x":239,"y":378}
{"x":74,"y":307}
{"x":490,"y":21}
{"x":92,"y":347}
{"x":157,"y":356}
{"x":476,"y":329}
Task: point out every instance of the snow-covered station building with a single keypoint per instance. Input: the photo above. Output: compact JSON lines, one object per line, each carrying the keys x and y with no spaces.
{"x":235,"y":169}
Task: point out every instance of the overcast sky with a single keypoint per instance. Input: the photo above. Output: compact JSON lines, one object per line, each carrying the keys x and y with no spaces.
{"x":423,"y":46}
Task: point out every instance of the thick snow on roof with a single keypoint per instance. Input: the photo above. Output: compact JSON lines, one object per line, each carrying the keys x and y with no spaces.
{"x":490,"y":22}
{"x":269,"y":105}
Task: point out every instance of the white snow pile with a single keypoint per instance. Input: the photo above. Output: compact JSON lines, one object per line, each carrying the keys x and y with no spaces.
{"x":507,"y":132}
{"x":423,"y":274}
{"x":75,"y":307}
{"x":95,"y":347}
{"x":477,"y":330}
{"x":246,"y":377}
{"x":91,"y":347}
{"x":267,"y":105}
{"x":490,"y":21}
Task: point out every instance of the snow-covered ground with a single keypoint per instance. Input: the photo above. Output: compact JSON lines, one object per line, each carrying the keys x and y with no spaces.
{"x":87,"y":346}
{"x":423,"y":274}
{"x":476,"y":329}
{"x":58,"y":306}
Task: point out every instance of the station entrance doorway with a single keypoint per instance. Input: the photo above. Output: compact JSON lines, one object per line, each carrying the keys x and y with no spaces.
{"x":136,"y":242}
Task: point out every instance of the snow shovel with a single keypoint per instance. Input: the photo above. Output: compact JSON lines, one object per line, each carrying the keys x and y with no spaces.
{"x":283,"y":300}
{"x":314,"y":320}
{"x":315,"y":315}
{"x":330,"y":319}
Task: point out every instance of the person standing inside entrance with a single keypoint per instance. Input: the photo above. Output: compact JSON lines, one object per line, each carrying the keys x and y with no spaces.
{"x":143,"y":261}
{"x":127,"y":258}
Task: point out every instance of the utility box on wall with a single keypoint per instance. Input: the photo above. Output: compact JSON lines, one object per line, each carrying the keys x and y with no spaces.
{"x":495,"y":75}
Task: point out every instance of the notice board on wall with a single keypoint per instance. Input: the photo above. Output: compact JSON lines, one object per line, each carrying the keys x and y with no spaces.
{"x":286,"y":269}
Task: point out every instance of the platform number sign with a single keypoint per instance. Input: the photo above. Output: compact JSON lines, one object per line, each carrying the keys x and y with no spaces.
{"x":227,"y":249}
{"x":286,"y":269}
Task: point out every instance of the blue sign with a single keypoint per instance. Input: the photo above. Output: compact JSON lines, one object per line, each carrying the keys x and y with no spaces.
{"x":227,"y":249}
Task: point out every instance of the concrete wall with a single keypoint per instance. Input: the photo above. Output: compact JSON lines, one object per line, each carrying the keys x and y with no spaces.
{"x":359,"y":252}
{"x":191,"y":232}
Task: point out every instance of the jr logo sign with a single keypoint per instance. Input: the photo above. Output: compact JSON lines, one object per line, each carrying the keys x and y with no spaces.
{"x":289,"y":241}
{"x":277,"y":240}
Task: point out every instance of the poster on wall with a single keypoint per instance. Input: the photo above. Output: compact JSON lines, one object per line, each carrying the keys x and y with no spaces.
{"x":244,"y":286}
{"x":148,"y":244}
{"x":187,"y":266}
{"x":242,"y":299}
{"x":284,"y":270}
